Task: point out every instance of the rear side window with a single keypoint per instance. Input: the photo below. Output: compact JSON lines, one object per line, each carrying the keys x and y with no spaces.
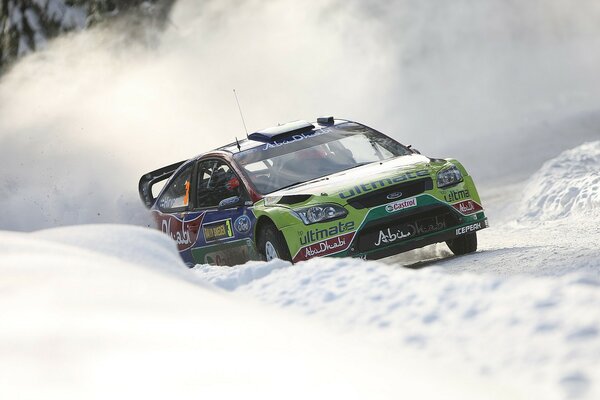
{"x":177,"y":194}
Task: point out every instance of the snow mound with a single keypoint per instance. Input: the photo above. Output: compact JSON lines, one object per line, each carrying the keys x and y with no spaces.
{"x":541,"y":333}
{"x":83,"y":319}
{"x":568,"y":185}
{"x":231,"y":278}
{"x":144,"y":247}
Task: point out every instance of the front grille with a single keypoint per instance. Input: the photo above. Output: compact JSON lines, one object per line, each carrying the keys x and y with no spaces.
{"x":381,"y":234}
{"x":379,"y":197}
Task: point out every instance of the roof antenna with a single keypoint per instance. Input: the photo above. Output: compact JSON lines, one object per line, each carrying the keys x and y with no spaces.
{"x":241,"y":115}
{"x":238,"y":144}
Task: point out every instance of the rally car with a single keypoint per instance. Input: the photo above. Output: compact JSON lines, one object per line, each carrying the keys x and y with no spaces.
{"x":302,"y":190}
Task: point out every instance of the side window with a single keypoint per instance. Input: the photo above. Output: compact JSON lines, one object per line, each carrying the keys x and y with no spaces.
{"x":177,"y":194}
{"x":216,"y":182}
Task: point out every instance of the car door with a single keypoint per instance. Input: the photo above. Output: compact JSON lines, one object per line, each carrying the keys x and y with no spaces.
{"x":174,"y":214}
{"x":226,"y":232}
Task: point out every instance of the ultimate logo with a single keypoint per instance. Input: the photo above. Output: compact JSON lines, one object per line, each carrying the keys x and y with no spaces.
{"x":456,"y":195}
{"x":319,"y":234}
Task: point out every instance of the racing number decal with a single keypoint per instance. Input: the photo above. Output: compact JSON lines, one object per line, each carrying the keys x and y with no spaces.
{"x":186,"y":198}
{"x":217,"y":230}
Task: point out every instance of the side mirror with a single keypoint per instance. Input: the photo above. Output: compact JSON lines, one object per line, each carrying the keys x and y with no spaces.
{"x":231,"y":202}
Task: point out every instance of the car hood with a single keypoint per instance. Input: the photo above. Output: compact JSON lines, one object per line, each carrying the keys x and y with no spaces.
{"x":340,"y":185}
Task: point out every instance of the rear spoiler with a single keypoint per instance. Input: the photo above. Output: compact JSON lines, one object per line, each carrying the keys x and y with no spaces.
{"x":151,"y":178}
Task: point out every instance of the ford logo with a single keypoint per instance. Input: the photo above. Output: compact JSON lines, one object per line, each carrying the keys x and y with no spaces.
{"x":393,"y":196}
{"x":242,"y":224}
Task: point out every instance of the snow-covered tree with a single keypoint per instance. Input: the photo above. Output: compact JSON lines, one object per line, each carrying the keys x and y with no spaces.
{"x":27,"y":25}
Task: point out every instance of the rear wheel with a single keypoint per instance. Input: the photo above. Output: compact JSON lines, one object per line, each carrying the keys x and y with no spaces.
{"x":271,"y":244}
{"x":463,"y":244}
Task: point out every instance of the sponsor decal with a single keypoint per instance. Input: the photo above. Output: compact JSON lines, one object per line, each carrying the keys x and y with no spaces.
{"x":296,"y":138}
{"x":401,"y":205}
{"x":325,"y":247}
{"x":391,"y":237}
{"x":317,"y":234}
{"x":396,"y":233}
{"x":184,"y":233}
{"x":229,"y":256}
{"x":456,"y":195}
{"x":468,"y":228}
{"x":217,"y":230}
{"x":467,"y":207}
{"x":242,"y":224}
{"x":374,"y":185}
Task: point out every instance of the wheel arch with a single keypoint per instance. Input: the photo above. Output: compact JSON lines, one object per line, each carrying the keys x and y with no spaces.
{"x":261,"y":222}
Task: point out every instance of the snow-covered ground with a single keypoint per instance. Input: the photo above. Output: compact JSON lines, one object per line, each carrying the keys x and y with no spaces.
{"x":110,"y":311}
{"x":524,"y":309}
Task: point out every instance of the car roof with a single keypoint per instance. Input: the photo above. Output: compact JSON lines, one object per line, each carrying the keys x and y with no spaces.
{"x":276,"y":131}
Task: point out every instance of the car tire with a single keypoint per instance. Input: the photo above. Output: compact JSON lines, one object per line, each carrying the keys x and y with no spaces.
{"x":463,"y":244}
{"x":271,"y":244}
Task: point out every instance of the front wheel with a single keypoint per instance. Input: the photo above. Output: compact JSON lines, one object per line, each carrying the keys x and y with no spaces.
{"x":463,"y":244}
{"x":271,"y":244}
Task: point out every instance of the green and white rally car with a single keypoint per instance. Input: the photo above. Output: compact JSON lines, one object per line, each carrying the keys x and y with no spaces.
{"x":303,"y":190}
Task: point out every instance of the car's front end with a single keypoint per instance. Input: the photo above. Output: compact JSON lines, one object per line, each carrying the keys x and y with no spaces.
{"x":377,"y":210}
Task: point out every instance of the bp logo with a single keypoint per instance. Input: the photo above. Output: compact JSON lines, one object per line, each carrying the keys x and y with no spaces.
{"x":242,"y":224}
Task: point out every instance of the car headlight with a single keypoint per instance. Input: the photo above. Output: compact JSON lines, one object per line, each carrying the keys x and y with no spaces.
{"x":449,"y":176}
{"x":325,"y":212}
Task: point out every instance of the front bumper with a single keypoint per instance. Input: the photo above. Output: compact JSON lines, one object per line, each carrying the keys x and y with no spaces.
{"x":395,"y":227}
{"x":386,"y":250}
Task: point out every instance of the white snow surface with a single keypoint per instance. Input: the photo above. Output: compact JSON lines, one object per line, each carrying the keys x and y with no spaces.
{"x":97,"y":311}
{"x":109,"y":311}
{"x":524,"y":309}
{"x":566,"y":185}
{"x":84,"y":317}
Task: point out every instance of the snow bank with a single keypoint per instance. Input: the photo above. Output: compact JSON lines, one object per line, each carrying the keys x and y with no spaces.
{"x":230,"y":278}
{"x":567,"y":185}
{"x":135,"y":245}
{"x":539,"y":335}
{"x":81,"y":318}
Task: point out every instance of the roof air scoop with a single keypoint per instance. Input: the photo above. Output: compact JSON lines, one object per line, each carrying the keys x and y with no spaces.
{"x":289,"y":129}
{"x":328,"y":120}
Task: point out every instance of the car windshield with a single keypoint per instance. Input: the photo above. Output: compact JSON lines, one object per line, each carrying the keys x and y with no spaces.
{"x":304,"y":157}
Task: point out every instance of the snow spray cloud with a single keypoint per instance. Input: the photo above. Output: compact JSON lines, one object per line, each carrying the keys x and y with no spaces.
{"x":81,"y":121}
